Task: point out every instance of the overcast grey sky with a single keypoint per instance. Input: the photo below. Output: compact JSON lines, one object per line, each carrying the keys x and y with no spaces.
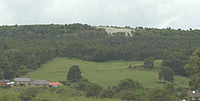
{"x":150,"y":13}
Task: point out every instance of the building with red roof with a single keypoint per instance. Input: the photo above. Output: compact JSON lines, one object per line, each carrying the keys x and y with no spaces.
{"x":55,"y":84}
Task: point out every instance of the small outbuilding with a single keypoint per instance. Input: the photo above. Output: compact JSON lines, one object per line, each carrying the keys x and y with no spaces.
{"x":4,"y":82}
{"x":55,"y":84}
{"x":11,"y":84}
{"x":22,"y":81}
{"x":39,"y":83}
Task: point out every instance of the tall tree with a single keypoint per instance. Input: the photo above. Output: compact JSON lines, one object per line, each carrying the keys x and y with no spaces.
{"x":74,"y":73}
{"x":193,"y":67}
{"x":176,"y":62}
{"x":166,"y":74}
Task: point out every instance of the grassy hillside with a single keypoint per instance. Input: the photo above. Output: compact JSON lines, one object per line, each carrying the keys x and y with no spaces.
{"x":105,"y":73}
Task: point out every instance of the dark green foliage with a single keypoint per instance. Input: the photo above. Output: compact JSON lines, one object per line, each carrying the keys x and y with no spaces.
{"x":21,"y":70}
{"x":107,"y":93}
{"x":176,"y":62}
{"x":149,"y":62}
{"x":129,"y":84}
{"x":29,"y":94}
{"x":6,"y":95}
{"x":166,"y":74}
{"x":128,"y":96}
{"x":161,"y":94}
{"x":193,"y":68}
{"x":93,"y":90}
{"x":1,"y":74}
{"x":194,"y":82}
{"x":82,"y":84}
{"x":126,"y":85}
{"x":74,"y":74}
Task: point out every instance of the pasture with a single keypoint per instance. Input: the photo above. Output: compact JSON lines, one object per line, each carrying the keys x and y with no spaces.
{"x":105,"y":74}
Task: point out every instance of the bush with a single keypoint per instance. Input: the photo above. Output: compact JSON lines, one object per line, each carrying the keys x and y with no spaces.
{"x":7,"y":95}
{"x":161,"y":94}
{"x":93,"y":90}
{"x":128,"y":96}
{"x":29,"y":94}
{"x":81,"y":84}
{"x":108,"y":93}
{"x":129,"y":84}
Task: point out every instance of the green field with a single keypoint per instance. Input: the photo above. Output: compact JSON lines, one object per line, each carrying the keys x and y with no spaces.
{"x":105,"y":73}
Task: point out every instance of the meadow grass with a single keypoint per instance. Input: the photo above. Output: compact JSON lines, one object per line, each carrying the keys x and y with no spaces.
{"x":104,"y":73}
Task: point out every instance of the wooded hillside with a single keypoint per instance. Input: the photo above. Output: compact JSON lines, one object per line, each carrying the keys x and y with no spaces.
{"x":26,"y":47}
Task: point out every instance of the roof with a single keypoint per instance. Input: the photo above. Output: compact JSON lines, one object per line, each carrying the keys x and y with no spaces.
{"x":55,"y":83}
{"x":4,"y":80}
{"x":194,"y":93}
{"x":39,"y":82}
{"x":22,"y":79}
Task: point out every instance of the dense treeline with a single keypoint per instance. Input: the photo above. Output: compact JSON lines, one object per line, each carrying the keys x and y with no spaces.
{"x":24,"y":48}
{"x":66,"y":93}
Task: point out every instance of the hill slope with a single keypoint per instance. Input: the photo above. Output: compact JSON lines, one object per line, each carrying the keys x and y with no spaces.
{"x":105,"y":73}
{"x":27,"y":47}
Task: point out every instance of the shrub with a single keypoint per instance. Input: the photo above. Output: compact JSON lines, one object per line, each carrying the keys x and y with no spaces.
{"x":81,"y":84}
{"x":108,"y":93}
{"x":93,"y":90}
{"x":128,"y":96}
{"x":29,"y":94}
{"x":129,"y":84}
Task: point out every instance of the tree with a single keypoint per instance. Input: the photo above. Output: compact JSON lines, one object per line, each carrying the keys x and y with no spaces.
{"x":81,"y":84}
{"x":107,"y":93}
{"x":1,"y":74}
{"x":129,"y":84}
{"x":176,"y":62}
{"x":194,"y":82}
{"x":8,"y":95}
{"x":149,"y":62}
{"x":161,"y":94}
{"x":128,"y":96}
{"x":29,"y":94}
{"x":93,"y":90}
{"x":193,"y":67}
{"x":166,"y":74}
{"x":21,"y":70}
{"x":74,"y":73}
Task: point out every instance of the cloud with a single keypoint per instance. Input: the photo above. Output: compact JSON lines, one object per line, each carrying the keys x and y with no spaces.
{"x":150,"y":13}
{"x":24,"y":11}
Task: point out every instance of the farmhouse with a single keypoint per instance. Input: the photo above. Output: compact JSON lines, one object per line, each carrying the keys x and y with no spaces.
{"x":193,"y":95}
{"x":39,"y":83}
{"x":22,"y":81}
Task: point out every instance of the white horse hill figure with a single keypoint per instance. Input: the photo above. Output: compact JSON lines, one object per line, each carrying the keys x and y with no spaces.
{"x":112,"y":30}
